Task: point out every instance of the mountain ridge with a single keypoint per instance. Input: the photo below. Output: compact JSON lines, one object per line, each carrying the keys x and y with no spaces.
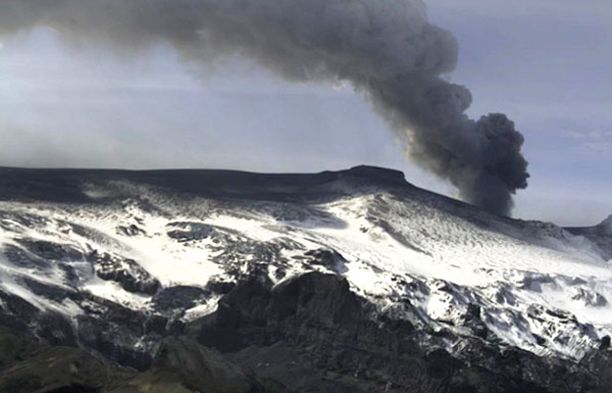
{"x":115,"y":262}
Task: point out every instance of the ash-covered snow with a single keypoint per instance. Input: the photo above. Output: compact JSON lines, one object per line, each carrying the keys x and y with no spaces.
{"x":537,"y":286}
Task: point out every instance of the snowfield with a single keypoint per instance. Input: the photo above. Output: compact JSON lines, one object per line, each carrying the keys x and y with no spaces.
{"x":413,"y":254}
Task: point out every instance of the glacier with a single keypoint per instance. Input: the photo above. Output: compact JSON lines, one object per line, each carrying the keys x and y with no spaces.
{"x":75,"y":241}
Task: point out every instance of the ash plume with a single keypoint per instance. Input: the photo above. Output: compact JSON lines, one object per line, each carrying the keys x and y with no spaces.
{"x":387,"y":50}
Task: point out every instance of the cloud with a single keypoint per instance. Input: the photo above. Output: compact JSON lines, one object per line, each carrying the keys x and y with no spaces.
{"x":386,"y":50}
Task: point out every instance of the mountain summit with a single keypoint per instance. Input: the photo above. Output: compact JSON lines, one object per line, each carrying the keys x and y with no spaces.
{"x":348,"y":281}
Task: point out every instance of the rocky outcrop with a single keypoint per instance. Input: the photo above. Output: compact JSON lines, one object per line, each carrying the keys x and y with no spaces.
{"x":126,"y":272}
{"x":314,"y":335}
{"x":309,"y":334}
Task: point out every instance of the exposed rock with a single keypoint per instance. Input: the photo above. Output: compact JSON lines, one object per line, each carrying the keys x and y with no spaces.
{"x":130,"y":230}
{"x":126,"y":272}
{"x":50,"y":251}
{"x":330,"y":259}
{"x":605,"y":343}
{"x":178,"y":299}
{"x":313,"y":334}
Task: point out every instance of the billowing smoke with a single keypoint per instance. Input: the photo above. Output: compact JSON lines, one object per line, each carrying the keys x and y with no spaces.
{"x":386,"y":49}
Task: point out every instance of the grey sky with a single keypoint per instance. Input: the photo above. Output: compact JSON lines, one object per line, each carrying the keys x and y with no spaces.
{"x":546,"y":65}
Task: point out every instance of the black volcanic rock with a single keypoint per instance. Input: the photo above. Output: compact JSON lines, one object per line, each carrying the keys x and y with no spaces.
{"x":50,"y":251}
{"x":473,"y":320}
{"x":313,"y":334}
{"x":126,"y":272}
{"x":605,"y":343}
{"x":178,"y":298}
{"x":330,"y":259}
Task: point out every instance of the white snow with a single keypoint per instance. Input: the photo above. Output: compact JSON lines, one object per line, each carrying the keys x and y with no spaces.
{"x":385,"y":240}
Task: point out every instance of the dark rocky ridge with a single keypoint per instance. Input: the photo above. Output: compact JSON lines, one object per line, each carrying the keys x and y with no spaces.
{"x":315,"y":327}
{"x":66,"y":184}
{"x":308,"y":335}
{"x":314,"y":335}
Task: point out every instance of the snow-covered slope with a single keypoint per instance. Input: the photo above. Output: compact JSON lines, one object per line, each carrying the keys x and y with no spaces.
{"x":169,"y":244}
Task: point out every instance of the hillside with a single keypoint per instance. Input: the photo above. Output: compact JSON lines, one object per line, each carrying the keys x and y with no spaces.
{"x":338,"y":280}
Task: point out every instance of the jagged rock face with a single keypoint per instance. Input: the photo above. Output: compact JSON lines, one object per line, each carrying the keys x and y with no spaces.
{"x":344,"y":273}
{"x":313,"y":334}
{"x":126,"y":272}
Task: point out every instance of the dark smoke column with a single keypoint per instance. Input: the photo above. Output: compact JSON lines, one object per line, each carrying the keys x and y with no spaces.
{"x":482,"y":158}
{"x":386,"y":49}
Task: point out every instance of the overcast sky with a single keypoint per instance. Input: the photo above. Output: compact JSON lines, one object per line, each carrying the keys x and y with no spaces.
{"x":545,"y":63}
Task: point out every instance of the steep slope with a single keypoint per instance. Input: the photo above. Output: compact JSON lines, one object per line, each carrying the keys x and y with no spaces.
{"x":115,"y":261}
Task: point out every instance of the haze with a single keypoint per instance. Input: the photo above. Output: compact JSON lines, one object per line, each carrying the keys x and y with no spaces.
{"x":544,"y":64}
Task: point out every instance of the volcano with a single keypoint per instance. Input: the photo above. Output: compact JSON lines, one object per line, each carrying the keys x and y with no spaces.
{"x":347,"y":281}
